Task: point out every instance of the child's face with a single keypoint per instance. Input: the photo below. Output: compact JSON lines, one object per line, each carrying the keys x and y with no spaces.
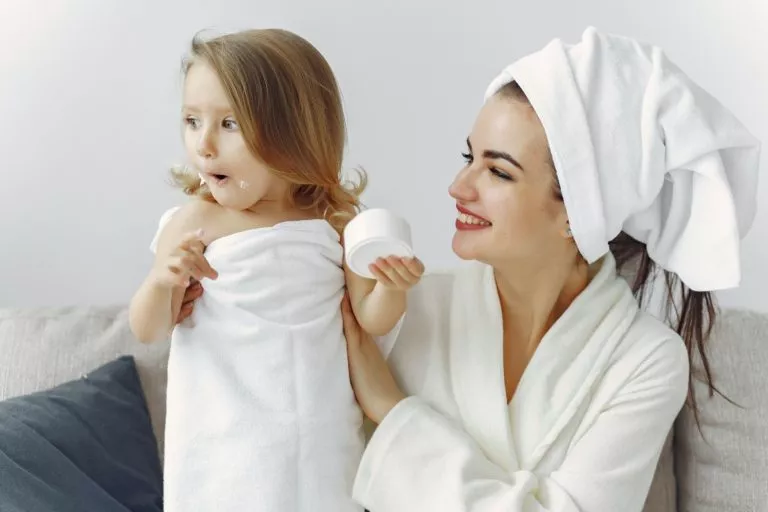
{"x":215,"y":146}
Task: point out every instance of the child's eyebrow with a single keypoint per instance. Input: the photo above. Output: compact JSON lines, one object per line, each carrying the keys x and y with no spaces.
{"x":216,"y":109}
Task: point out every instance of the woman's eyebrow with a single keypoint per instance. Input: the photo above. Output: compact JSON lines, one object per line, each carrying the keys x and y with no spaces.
{"x":493,"y":154}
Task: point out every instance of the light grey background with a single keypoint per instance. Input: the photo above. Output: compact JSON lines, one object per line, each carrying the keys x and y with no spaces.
{"x":89,"y":100}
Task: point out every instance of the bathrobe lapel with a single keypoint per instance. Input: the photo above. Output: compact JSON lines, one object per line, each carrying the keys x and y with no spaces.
{"x":568,"y":363}
{"x":476,"y":358}
{"x":561,"y":375}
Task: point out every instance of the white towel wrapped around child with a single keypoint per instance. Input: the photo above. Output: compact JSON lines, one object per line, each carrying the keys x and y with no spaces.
{"x":261,"y":415}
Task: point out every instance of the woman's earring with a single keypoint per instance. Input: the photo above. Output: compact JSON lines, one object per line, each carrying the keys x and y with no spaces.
{"x":568,"y":232}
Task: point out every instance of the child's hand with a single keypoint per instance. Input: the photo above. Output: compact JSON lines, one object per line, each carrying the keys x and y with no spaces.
{"x":397,"y":273}
{"x":184,"y":263}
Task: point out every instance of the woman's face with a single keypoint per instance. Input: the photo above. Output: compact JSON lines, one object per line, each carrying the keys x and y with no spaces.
{"x":508,"y":211}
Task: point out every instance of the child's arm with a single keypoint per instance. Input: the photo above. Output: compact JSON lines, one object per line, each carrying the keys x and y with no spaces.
{"x":179,"y":258}
{"x":378,"y":304}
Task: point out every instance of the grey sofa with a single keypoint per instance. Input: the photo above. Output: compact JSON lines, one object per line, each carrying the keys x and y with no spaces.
{"x":727,"y":470}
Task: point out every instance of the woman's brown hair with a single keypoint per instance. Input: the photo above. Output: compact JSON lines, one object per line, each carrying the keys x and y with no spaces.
{"x":691,"y":313}
{"x":287,"y":102}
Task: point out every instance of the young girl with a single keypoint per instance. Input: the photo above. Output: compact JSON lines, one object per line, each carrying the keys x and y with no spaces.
{"x":261,"y":416}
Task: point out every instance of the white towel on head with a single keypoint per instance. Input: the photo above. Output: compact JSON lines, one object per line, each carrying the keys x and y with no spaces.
{"x":639,"y":147}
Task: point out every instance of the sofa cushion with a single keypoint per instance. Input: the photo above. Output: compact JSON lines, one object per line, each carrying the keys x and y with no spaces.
{"x":40,"y":348}
{"x":727,"y":469}
{"x":84,"y":445}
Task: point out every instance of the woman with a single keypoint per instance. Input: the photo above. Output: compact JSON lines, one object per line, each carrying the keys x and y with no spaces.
{"x":529,"y":379}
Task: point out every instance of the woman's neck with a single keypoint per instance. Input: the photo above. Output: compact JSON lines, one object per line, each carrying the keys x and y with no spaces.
{"x":533,"y":297}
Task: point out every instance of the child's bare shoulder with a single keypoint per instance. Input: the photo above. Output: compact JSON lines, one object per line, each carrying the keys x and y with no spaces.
{"x":196,"y":214}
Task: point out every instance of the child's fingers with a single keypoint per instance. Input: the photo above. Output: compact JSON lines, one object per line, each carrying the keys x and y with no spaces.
{"x":346,"y":306}
{"x":184,"y":268}
{"x":414,"y":266}
{"x":391,"y":267}
{"x":379,"y":275}
{"x":189,"y":263}
{"x":403,"y":276}
{"x":193,"y":244}
{"x":178,"y":275}
{"x":205,"y":267}
{"x":405,"y":273}
{"x":196,"y":264}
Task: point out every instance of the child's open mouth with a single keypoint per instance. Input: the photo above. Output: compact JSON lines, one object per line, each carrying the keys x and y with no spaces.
{"x":218,"y":179}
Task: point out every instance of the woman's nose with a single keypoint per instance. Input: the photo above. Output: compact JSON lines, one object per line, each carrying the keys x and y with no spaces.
{"x":463,"y":186}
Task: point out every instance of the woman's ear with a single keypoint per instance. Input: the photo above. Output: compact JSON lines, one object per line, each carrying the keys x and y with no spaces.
{"x":567,"y":233}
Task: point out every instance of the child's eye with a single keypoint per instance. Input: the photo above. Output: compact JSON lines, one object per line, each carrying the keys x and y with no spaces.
{"x":230,"y":124}
{"x":192,"y":122}
{"x":467,"y":157}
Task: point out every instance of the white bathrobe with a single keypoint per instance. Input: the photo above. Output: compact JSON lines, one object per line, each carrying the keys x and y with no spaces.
{"x":583,"y":431}
{"x":261,"y":415}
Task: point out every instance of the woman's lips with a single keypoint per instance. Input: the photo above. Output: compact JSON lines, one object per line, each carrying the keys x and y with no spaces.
{"x":469,"y":221}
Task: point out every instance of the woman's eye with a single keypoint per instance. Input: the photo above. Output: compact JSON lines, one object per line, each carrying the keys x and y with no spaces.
{"x":230,"y":124}
{"x":501,"y":174}
{"x":467,"y":157}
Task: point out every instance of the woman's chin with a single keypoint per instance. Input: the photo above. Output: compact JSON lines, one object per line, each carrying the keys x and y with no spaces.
{"x":463,"y":248}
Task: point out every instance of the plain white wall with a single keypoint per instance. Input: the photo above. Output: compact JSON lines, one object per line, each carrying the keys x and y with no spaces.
{"x":89,"y":99}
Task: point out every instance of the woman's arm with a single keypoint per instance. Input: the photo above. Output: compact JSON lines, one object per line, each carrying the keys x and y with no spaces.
{"x":419,"y":460}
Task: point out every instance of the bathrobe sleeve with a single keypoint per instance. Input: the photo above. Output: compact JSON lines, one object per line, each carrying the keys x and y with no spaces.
{"x":419,"y":459}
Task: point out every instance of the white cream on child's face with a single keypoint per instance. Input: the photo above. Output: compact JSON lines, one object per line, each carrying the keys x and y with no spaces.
{"x":215,"y":145}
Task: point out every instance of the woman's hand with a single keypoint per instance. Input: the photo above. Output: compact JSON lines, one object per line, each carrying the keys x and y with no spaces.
{"x":373,"y":384}
{"x":191,"y":294}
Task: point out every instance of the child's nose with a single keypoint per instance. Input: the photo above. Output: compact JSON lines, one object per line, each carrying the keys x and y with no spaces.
{"x":205,"y":146}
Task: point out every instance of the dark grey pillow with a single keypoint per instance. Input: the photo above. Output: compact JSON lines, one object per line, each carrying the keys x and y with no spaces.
{"x":84,"y":446}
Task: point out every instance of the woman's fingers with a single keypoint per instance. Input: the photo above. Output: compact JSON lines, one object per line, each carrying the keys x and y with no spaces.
{"x":192,"y":293}
{"x":185,"y":311}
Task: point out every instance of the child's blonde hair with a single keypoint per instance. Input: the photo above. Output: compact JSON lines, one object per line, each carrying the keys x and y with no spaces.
{"x":287,"y":102}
